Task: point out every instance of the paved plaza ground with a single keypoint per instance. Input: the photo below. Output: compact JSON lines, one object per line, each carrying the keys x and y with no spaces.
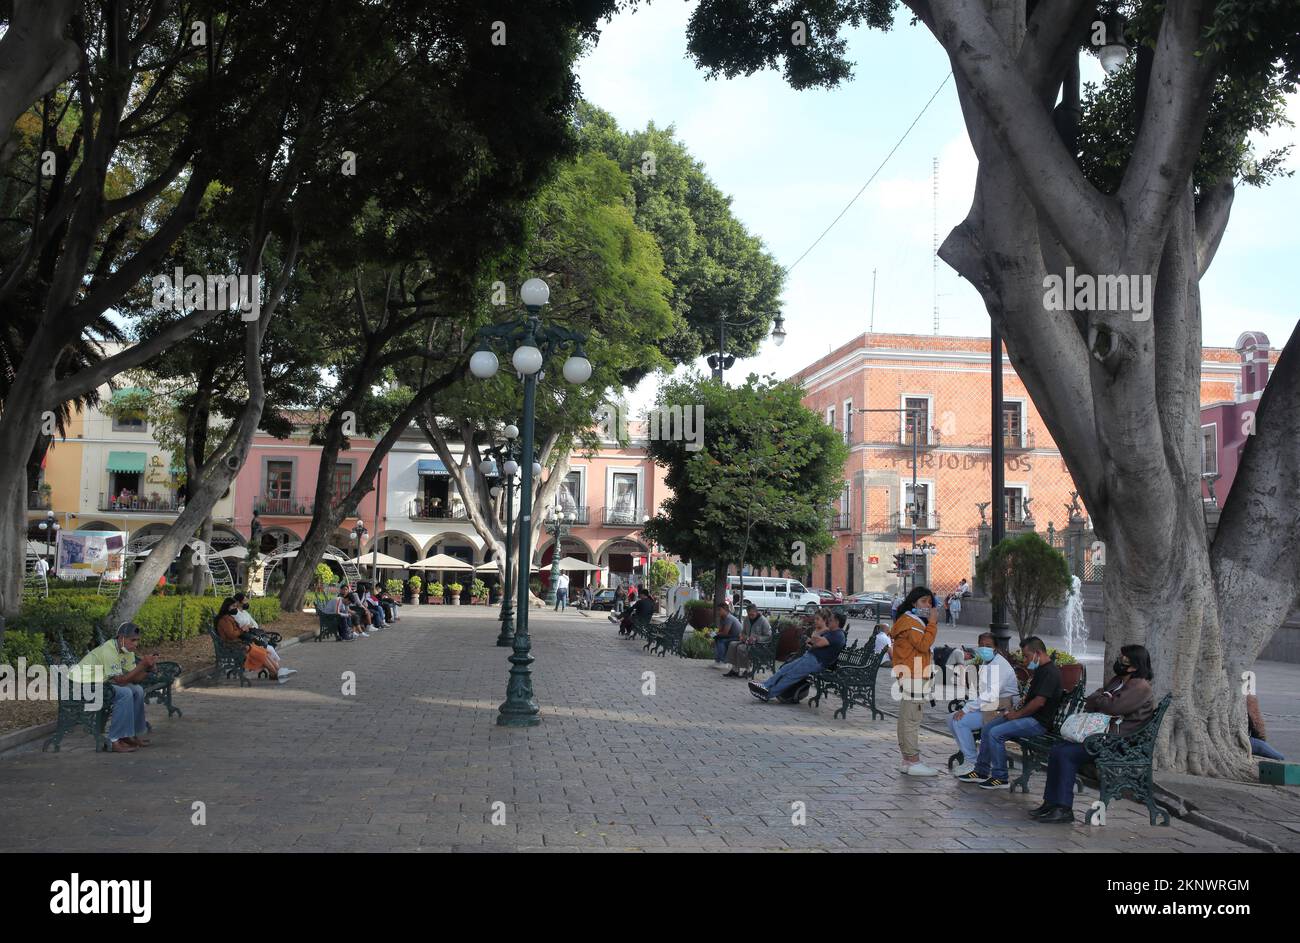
{"x":414,"y":761}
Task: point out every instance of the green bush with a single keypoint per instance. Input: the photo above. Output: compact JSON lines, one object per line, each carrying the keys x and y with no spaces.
{"x":435,"y":590}
{"x":393,"y":587}
{"x":478,"y":589}
{"x":662,"y":573}
{"x":161,"y":618}
{"x":28,"y":645}
{"x":692,"y":604}
{"x":697,"y":644}
{"x":415,"y":583}
{"x":455,"y":588}
{"x":324,"y":574}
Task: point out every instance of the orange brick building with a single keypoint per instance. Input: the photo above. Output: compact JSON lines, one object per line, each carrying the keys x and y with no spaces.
{"x":944,"y":383}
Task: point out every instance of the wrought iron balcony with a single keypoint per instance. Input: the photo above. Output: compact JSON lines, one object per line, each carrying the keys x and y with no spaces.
{"x":926,"y":522}
{"x":168,"y":504}
{"x":299,"y":506}
{"x":622,"y":516}
{"x":840,"y":521}
{"x":433,"y":510}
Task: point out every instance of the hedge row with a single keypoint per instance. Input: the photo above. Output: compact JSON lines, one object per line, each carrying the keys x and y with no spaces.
{"x":73,"y":617}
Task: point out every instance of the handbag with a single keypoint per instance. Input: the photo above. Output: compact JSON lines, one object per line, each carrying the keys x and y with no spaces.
{"x":1078,"y":727}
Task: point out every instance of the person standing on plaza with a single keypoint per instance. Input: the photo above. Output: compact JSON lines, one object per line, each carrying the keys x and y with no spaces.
{"x":911,"y":639}
{"x":954,"y":607}
{"x":116,"y":663}
{"x":562,"y":592}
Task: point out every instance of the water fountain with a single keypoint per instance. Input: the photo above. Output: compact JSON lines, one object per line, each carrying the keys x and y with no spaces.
{"x":1073,"y":626}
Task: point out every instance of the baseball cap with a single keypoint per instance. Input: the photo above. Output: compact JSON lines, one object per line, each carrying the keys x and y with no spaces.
{"x":128,"y":630}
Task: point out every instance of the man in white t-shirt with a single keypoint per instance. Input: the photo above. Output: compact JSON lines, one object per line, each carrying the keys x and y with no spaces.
{"x":997,"y":692}
{"x":562,"y":592}
{"x":42,"y":568}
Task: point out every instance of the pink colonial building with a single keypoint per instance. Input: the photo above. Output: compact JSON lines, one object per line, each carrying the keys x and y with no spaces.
{"x":278,"y":483}
{"x":1229,"y":418}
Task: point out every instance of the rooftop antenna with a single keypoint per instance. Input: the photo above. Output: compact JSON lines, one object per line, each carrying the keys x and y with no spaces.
{"x":871,"y":327}
{"x":934,"y":257}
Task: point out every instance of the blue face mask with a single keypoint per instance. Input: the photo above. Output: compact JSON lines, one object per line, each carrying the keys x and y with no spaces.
{"x":1031,"y":665}
{"x":986,"y":654}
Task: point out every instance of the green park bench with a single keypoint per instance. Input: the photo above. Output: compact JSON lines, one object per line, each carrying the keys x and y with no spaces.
{"x":1124,"y":764}
{"x":331,"y":624}
{"x":852,"y":677}
{"x":1035,"y":750}
{"x":667,"y":636}
{"x":229,"y":657}
{"x":75,"y":711}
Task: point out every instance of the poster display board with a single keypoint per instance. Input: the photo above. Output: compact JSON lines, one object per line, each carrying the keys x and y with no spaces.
{"x":91,"y":553}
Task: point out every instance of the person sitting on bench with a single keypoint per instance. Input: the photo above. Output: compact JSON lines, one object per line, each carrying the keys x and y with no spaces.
{"x":116,"y":665}
{"x":824,"y":645}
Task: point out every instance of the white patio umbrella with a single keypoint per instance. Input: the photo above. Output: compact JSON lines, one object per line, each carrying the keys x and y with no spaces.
{"x":233,"y":553}
{"x":439,"y":561}
{"x":491,"y":567}
{"x":573,"y":563}
{"x":382,"y":560}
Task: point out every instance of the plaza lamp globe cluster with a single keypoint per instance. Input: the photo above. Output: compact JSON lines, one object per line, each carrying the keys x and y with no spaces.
{"x":1114,"y":52}
{"x":530,"y":344}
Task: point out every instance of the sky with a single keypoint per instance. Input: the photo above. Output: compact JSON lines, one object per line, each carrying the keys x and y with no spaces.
{"x":791,"y":161}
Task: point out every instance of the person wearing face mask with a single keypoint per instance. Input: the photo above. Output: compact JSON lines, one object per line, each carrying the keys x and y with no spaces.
{"x":911,"y":638}
{"x":997,"y":691}
{"x":1033,"y":718}
{"x":1129,"y":700}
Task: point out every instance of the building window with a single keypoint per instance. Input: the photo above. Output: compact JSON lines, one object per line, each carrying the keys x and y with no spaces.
{"x":848,"y":576}
{"x":1013,"y":424}
{"x":128,"y":423}
{"x":625,"y":499}
{"x":918,"y":411}
{"x":917,"y":503}
{"x":828,"y":584}
{"x":1210,"y":450}
{"x":342,"y":481}
{"x":848,"y":420}
{"x":1014,"y":498}
{"x":279,"y":481}
{"x":830,"y":416}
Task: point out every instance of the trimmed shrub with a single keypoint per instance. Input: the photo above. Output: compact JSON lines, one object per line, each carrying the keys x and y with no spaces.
{"x":697,"y":644}
{"x":28,"y":645}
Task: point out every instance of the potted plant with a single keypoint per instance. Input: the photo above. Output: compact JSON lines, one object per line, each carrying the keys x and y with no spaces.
{"x":699,"y":613}
{"x":477,"y":591}
{"x":415,"y":585}
{"x":434,"y":593}
{"x":455,"y":593}
{"x":1072,"y":672}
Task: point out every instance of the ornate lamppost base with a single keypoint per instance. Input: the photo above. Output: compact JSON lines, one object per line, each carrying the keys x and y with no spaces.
{"x":507,"y":637}
{"x":519,"y":709}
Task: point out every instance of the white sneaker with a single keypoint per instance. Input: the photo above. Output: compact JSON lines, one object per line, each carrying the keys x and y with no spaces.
{"x":282,"y":678}
{"x":963,"y":769}
{"x":920,"y":769}
{"x":288,"y":671}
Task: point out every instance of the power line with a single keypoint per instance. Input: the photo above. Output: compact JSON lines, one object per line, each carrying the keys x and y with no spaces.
{"x":874,"y":173}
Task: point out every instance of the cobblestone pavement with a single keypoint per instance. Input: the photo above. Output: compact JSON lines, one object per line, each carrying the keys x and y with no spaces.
{"x":414,"y":761}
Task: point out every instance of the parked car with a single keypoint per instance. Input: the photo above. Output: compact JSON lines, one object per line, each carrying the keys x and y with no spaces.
{"x":827,"y":597}
{"x":873,"y":604}
{"x":774,"y":594}
{"x":603,"y":600}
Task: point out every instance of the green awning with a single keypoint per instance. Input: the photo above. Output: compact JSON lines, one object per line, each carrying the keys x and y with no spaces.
{"x":126,"y":461}
{"x":119,"y":395}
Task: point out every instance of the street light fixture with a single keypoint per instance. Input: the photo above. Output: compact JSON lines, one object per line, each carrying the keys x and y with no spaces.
{"x":558,"y":525}
{"x":533,"y":344}
{"x":501,"y":464}
{"x":49,"y":528}
{"x":358,"y":534}
{"x":1114,"y":51}
{"x":722,"y":360}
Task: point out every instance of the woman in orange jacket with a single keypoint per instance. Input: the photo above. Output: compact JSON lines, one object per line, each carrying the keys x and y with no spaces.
{"x":912,"y":636}
{"x":255,"y":656}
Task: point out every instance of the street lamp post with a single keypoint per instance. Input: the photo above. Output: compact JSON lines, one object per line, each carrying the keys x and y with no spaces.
{"x":535,"y":342}
{"x":503,"y":463}
{"x":722,"y":360}
{"x":49,"y":528}
{"x":358,"y":534}
{"x":915,"y":414}
{"x":998,"y":623}
{"x":558,"y":525}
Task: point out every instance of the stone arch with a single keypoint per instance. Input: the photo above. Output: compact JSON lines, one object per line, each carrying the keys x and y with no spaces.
{"x":408,"y":548}
{"x":454,"y":539}
{"x":98,"y":525}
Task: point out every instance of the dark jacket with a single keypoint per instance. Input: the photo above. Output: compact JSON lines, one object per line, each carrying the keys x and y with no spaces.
{"x":1131,"y":702}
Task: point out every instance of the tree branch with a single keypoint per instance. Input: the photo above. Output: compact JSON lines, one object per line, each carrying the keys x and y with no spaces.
{"x":1212,"y":220}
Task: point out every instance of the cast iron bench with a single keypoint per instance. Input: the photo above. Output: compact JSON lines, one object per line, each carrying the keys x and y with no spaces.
{"x":852,"y":677}
{"x":331,"y":625}
{"x":667,"y":636}
{"x":1034,"y":750}
{"x":762,"y":654}
{"x":229,"y":656}
{"x":1124,"y":764}
{"x":76,"y":711}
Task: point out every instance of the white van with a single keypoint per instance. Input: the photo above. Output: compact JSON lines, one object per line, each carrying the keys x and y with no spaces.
{"x":774,"y":593}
